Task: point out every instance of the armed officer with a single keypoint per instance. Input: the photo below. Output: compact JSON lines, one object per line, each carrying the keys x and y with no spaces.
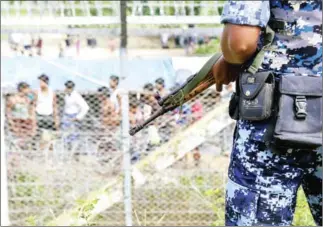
{"x":263,"y":183}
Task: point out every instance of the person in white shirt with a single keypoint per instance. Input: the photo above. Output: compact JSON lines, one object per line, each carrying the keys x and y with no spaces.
{"x":75,"y":105}
{"x":27,"y":44}
{"x":46,"y":110}
{"x":149,"y":105}
{"x":115,"y":97}
{"x":75,"y":110}
{"x":46,"y":105}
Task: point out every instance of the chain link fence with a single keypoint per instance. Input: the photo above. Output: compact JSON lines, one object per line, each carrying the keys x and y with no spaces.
{"x":67,"y":157}
{"x":63,"y":147}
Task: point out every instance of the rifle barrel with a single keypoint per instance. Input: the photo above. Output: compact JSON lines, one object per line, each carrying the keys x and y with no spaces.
{"x":155,"y":115}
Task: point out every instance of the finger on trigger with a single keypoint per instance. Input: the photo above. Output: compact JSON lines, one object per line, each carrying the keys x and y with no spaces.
{"x":218,"y":87}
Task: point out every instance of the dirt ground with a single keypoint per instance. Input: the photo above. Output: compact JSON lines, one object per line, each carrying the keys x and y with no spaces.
{"x":107,"y":47}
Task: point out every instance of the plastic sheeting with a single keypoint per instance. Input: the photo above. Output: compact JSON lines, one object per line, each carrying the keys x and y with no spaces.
{"x":88,"y":75}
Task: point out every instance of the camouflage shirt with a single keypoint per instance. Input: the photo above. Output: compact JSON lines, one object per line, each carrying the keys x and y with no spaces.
{"x":299,"y":48}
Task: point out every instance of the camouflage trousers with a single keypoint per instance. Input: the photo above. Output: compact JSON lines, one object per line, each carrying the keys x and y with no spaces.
{"x":263,"y":183}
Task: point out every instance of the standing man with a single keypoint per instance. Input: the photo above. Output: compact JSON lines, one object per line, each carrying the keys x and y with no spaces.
{"x":150,"y":104}
{"x":78,"y":45}
{"x":108,"y":116}
{"x":46,"y":109}
{"x":39,"y":46}
{"x":148,"y":107}
{"x":20,"y":113}
{"x":75,"y":110}
{"x":115,"y":97}
{"x":160,"y":87}
{"x":263,"y":182}
{"x":27,"y":44}
{"x":108,"y":130}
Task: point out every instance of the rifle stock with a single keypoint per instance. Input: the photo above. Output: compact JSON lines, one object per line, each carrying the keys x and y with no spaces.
{"x":205,"y":84}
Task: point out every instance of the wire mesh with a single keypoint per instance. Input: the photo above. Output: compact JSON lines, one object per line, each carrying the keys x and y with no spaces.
{"x":65,"y":148}
{"x":63,"y":145}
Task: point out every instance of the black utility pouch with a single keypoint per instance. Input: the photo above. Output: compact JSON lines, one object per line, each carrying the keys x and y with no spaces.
{"x":299,"y":117}
{"x":256,"y":95}
{"x":234,"y":105}
{"x":253,"y":99}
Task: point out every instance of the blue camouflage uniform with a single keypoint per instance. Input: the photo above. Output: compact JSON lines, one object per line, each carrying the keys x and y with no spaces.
{"x":263,"y":183}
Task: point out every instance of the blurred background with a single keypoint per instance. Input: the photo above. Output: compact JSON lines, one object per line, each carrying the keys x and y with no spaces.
{"x":75,"y":76}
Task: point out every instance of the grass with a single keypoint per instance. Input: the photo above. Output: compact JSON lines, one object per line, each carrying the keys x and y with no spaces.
{"x":205,"y":49}
{"x":192,"y":200}
{"x":161,"y":205}
{"x":302,"y":216}
{"x":30,"y":186}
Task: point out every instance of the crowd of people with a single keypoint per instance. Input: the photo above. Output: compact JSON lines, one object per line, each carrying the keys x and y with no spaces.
{"x":72,"y":45}
{"x":32,"y":44}
{"x":70,"y":42}
{"x":26,"y":44}
{"x":30,"y":112}
{"x":35,"y":117}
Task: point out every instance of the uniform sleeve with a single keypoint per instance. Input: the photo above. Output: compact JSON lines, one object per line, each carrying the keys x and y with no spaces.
{"x":254,"y":13}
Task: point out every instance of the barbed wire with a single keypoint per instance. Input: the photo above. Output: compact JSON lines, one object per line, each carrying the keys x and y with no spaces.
{"x":49,"y":171}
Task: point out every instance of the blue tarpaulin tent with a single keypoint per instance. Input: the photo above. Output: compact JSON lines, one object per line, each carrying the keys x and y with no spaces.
{"x":88,"y":75}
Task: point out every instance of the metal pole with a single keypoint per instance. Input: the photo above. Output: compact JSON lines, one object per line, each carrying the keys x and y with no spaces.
{"x":123,"y":21}
{"x":125,"y":119}
{"x":126,"y":159}
{"x":4,"y":179}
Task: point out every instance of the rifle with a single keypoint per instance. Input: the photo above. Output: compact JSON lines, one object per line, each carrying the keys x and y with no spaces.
{"x":193,"y":86}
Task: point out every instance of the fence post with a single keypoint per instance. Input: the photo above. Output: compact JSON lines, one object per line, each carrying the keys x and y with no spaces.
{"x":4,"y":179}
{"x":126,"y":159}
{"x":125,"y":118}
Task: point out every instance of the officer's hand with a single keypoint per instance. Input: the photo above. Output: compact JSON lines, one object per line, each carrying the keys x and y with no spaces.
{"x":224,"y":73}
